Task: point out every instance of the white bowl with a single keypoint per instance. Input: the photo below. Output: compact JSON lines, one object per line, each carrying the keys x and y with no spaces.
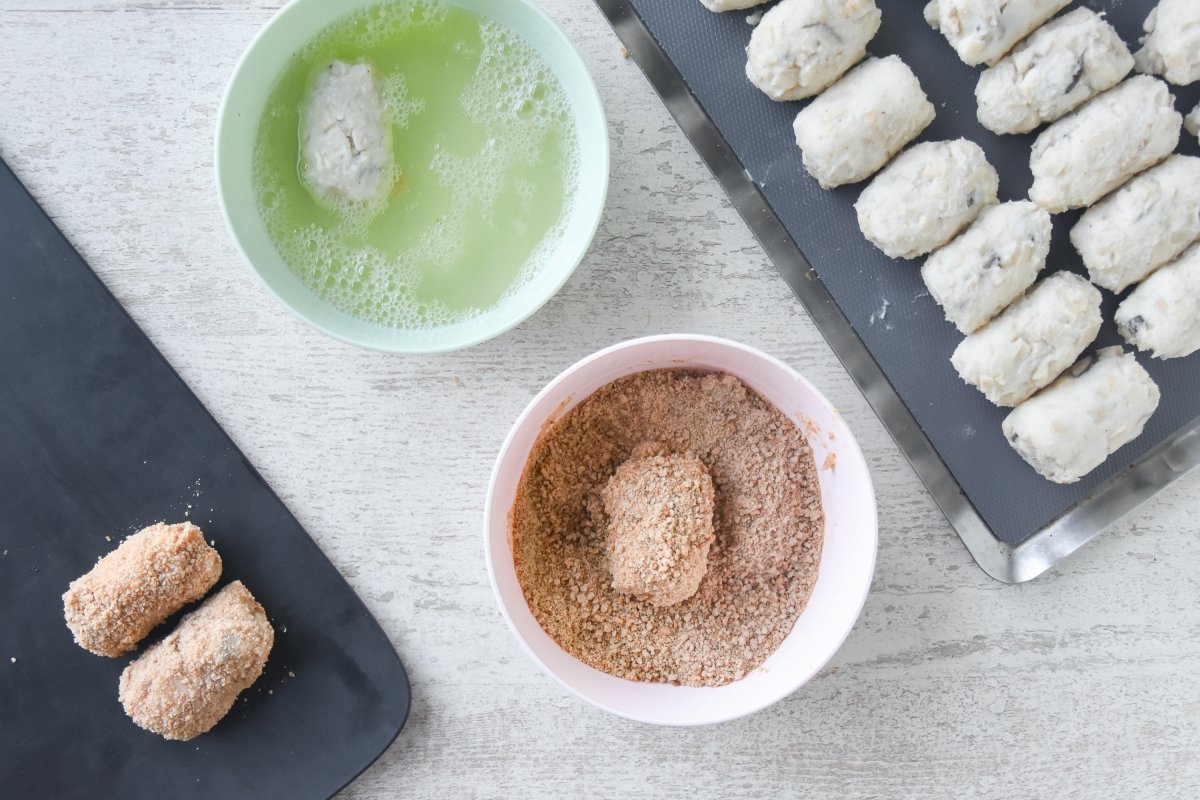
{"x":847,"y":560}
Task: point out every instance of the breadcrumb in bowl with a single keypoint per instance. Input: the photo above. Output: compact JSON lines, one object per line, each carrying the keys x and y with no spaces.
{"x":847,"y":560}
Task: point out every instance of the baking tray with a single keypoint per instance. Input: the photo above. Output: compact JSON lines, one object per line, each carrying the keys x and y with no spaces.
{"x":98,"y":437}
{"x":875,"y":312}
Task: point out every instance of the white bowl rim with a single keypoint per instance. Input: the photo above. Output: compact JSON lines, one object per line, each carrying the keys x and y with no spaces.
{"x":859,"y":601}
{"x":536,"y":303}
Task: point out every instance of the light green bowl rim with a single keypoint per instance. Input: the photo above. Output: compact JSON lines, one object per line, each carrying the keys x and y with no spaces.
{"x":567,"y":257}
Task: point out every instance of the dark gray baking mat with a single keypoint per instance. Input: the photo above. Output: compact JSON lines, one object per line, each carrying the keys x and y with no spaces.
{"x":98,"y":437}
{"x":885,"y":300}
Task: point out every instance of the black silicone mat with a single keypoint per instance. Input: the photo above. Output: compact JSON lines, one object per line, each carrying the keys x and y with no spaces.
{"x":885,"y":300}
{"x":98,"y":437}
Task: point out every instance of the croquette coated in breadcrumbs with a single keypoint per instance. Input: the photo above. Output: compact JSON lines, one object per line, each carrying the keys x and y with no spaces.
{"x":153,"y":574}
{"x":185,"y":684}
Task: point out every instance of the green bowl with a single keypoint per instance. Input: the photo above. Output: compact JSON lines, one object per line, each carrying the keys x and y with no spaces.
{"x":237,"y":128}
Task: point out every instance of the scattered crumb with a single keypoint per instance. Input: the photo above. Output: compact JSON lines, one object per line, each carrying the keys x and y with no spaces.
{"x":881,"y":314}
{"x":830,"y":461}
{"x":291,"y":674}
{"x":13,"y":659}
{"x":832,"y":436}
{"x":624,"y":52}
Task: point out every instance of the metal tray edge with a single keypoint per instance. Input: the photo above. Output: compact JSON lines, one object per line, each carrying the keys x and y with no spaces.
{"x":1044,"y":549}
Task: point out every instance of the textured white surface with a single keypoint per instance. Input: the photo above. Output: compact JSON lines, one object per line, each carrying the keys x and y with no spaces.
{"x":1084,"y":683}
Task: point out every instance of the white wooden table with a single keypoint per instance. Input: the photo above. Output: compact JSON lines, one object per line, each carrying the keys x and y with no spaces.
{"x":1084,"y":683}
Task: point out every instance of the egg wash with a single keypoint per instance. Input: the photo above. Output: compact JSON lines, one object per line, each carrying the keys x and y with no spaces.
{"x":474,"y":195}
